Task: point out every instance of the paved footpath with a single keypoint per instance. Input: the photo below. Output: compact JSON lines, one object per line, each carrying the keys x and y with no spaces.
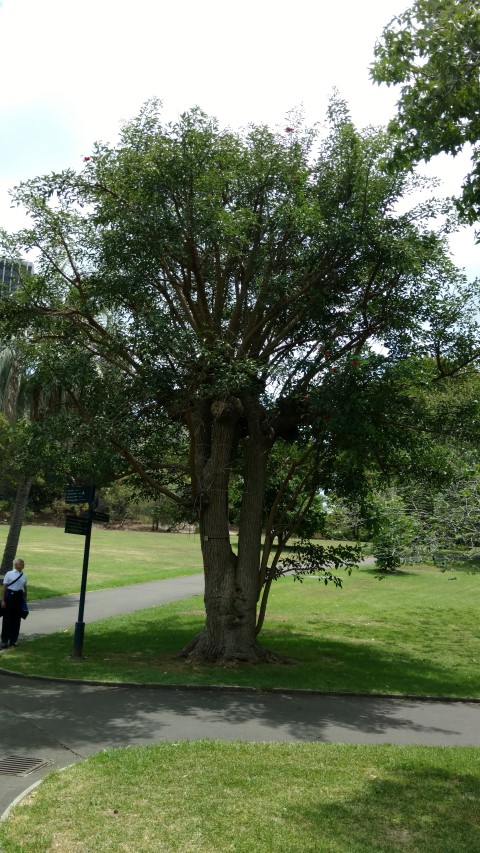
{"x":65,"y":723}
{"x":54,"y":614}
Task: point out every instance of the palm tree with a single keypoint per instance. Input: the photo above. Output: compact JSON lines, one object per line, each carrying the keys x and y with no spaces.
{"x":13,"y":404}
{"x":23,"y":396}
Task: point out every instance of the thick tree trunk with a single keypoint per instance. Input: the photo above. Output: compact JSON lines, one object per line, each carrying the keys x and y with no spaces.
{"x":16,"y":521}
{"x":231,"y":581}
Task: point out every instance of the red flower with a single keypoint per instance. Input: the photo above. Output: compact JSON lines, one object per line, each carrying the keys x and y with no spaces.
{"x":289,"y":129}
{"x":334,"y":369}
{"x":327,"y":353}
{"x":86,"y":159}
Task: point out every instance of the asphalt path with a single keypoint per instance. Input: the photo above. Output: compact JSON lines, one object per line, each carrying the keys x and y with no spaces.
{"x":55,"y":614}
{"x":67,"y":722}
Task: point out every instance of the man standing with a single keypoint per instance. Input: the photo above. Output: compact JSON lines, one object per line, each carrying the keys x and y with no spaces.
{"x":14,"y":593}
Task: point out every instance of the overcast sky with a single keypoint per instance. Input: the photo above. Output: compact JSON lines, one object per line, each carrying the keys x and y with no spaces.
{"x":71,"y":72}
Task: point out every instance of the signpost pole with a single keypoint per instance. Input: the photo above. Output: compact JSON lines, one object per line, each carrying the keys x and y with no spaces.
{"x":82,"y":527}
{"x":79,"y":631}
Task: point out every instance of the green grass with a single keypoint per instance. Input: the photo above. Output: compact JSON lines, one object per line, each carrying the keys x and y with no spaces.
{"x":117,"y":557}
{"x":417,"y":632}
{"x":213,"y":797}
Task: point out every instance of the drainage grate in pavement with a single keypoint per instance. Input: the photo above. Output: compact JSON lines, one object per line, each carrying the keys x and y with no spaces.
{"x":18,"y":765}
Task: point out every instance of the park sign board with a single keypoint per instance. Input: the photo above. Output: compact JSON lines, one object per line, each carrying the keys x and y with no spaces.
{"x":75,"y":524}
{"x":101,"y":516}
{"x":79,"y":494}
{"x":82,"y":526}
{"x":79,"y":524}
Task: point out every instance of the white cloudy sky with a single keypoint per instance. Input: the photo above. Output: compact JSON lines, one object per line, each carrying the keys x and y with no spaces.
{"x":72,"y":71}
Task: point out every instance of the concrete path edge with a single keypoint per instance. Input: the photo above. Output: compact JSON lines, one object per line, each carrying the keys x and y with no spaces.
{"x":240,"y":688}
{"x":19,"y":799}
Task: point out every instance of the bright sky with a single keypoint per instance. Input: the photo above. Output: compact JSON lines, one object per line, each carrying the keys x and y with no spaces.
{"x":73,"y":71}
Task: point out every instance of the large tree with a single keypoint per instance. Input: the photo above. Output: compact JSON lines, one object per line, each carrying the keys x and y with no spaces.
{"x":433,"y":51}
{"x":204,"y":294}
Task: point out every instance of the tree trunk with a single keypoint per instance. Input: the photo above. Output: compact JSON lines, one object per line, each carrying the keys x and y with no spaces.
{"x":16,"y":521}
{"x":231,"y":582}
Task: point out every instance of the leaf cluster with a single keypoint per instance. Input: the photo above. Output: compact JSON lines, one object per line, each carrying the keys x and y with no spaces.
{"x":314,"y":559}
{"x":432,"y":51}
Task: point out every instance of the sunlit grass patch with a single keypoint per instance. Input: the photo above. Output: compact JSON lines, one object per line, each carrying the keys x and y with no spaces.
{"x":213,"y":797}
{"x":117,"y":557}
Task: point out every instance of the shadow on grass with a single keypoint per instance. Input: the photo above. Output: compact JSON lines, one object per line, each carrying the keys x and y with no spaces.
{"x":420,"y":810}
{"x":460,"y":568}
{"x":398,"y":573}
{"x":86,"y":718}
{"x":47,"y":598}
{"x":455,"y":561}
{"x":145,"y":648}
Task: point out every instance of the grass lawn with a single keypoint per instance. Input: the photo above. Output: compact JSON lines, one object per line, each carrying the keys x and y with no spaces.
{"x":117,"y":557}
{"x":213,"y":797}
{"x":416,"y":632}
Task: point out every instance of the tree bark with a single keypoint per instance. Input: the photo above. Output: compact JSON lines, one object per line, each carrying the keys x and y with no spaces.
{"x":231,"y":581}
{"x":249,"y":585}
{"x":16,"y":521}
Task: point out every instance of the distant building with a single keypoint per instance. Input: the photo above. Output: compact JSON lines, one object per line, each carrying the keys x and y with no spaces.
{"x":10,"y":274}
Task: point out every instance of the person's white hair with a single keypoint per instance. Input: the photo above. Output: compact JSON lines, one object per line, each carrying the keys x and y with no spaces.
{"x":18,"y":560}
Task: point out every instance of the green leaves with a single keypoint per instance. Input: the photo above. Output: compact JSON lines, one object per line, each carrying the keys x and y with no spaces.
{"x":190,"y":264}
{"x":393,"y":532}
{"x":311,"y":558}
{"x":433,"y":51}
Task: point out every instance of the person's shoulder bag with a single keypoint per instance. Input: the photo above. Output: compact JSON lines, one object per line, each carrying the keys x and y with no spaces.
{"x":25,"y":610}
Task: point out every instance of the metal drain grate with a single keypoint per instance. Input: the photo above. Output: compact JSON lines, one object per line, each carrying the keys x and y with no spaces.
{"x":18,"y":765}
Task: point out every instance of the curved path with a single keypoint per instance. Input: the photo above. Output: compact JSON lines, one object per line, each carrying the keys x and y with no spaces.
{"x":54,"y":614}
{"x":67,"y":722}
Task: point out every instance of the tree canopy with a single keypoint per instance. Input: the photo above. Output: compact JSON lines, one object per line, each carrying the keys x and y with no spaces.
{"x":433,"y":51}
{"x":203,"y":295}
